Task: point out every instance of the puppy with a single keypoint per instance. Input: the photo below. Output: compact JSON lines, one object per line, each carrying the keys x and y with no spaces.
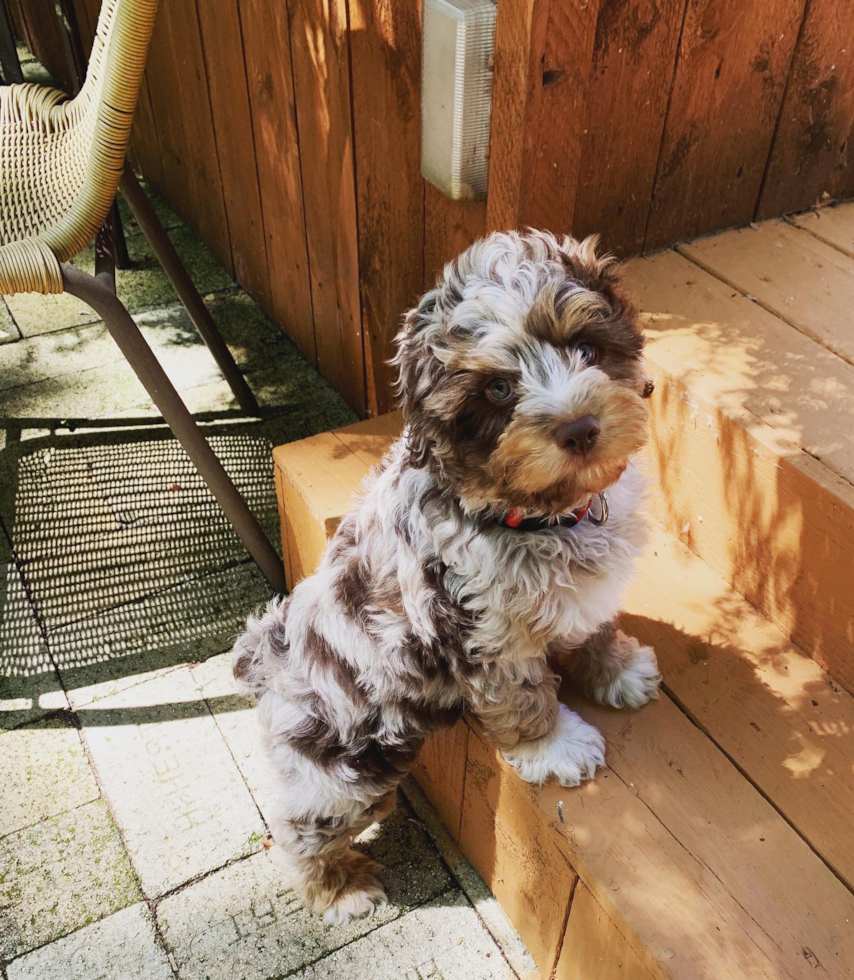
{"x":499,"y":529}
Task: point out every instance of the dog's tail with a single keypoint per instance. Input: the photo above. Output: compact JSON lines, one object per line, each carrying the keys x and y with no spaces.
{"x":257,"y":649}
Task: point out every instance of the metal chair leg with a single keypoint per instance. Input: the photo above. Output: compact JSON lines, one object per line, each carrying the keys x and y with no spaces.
{"x":97,"y":292}
{"x":183,"y":284}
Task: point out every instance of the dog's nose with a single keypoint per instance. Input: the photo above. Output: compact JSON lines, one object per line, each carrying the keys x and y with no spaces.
{"x":580,"y":436}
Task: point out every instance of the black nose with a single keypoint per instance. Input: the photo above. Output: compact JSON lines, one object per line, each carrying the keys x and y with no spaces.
{"x":580,"y":436}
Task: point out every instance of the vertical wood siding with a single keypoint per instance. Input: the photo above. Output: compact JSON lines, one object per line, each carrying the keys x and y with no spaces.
{"x":286,"y":133}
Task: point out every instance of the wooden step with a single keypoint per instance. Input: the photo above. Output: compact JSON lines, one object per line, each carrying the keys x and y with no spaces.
{"x":717,"y":841}
{"x":753,"y":419}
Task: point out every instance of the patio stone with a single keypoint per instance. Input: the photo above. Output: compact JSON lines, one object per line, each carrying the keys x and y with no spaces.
{"x":235,"y":718}
{"x":443,"y":940}
{"x":101,"y":655}
{"x":177,"y":795}
{"x":44,"y":771}
{"x":143,"y":286}
{"x":8,"y":329}
{"x":167,"y":216}
{"x":29,"y":684}
{"x":121,"y":947}
{"x":246,"y":921}
{"x":60,"y":875}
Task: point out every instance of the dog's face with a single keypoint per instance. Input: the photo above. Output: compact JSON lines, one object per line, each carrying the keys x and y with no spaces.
{"x":522,"y":375}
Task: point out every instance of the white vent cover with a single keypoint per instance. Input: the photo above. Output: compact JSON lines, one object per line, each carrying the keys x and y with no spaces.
{"x":456,"y":95}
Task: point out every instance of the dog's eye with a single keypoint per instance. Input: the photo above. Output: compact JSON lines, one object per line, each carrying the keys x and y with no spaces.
{"x":499,"y":390}
{"x":589,"y":353}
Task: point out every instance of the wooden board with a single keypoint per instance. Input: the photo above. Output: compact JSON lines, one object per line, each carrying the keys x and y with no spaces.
{"x":512,"y":849}
{"x":449,"y":228}
{"x":178,"y":86}
{"x":801,"y":280}
{"x":631,"y":77}
{"x":271,"y":96}
{"x":834,"y":225}
{"x":812,"y":159}
{"x":222,"y":44}
{"x":441,"y":772}
{"x":321,"y":61}
{"x":765,"y":703}
{"x":593,"y":947}
{"x":731,"y":69}
{"x":385,"y":52}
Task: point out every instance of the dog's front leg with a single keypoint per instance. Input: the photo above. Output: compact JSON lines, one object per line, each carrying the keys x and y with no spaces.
{"x":613,"y":668}
{"x":540,"y":737}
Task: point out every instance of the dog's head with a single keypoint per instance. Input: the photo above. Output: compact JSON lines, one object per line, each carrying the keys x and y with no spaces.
{"x":522,"y":375}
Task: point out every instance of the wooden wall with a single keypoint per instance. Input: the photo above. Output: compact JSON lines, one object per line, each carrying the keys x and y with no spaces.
{"x":286,"y":133}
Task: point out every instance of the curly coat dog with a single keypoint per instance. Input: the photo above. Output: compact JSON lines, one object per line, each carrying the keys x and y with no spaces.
{"x":480,"y":547}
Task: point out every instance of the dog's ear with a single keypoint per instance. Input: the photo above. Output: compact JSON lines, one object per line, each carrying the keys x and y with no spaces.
{"x":418,"y":371}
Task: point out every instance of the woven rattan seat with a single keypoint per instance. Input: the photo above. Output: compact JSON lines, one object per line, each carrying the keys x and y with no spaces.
{"x":61,"y":161}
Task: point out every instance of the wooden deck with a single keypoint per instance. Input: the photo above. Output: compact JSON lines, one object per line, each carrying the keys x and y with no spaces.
{"x":718,"y":841}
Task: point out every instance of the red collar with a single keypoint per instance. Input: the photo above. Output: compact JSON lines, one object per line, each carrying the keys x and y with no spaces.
{"x":517,"y":520}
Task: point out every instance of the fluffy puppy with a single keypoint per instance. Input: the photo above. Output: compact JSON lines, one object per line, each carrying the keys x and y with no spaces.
{"x":471,"y":557}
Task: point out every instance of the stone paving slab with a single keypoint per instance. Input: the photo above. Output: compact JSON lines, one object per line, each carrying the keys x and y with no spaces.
{"x":443,"y":940}
{"x":103,"y":654}
{"x":9,"y":331}
{"x":235,"y":718}
{"x":44,"y":771}
{"x":177,"y":795}
{"x":245,"y":921}
{"x":29,"y":684}
{"x":143,"y":286}
{"x":60,"y":875}
{"x":121,"y":947}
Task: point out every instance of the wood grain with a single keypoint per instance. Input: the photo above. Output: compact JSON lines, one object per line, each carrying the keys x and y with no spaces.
{"x":271,"y":98}
{"x":385,"y":50}
{"x":321,"y":59}
{"x":449,"y":228}
{"x":593,"y":947}
{"x":627,"y":93}
{"x":731,"y":70}
{"x":833,"y":225}
{"x":177,"y":84}
{"x":812,"y":160}
{"x":441,"y":772}
{"x":222,"y":44}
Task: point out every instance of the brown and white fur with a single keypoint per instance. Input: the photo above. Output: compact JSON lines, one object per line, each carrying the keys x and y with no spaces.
{"x":424,"y":603}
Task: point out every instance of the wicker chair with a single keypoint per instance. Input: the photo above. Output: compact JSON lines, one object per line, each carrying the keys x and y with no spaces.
{"x":61,"y":162}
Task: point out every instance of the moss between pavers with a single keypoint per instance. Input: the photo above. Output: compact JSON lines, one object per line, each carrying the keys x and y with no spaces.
{"x":61,"y":875}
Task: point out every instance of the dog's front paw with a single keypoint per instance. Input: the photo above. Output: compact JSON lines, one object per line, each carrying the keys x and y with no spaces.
{"x":637,"y":682}
{"x":572,"y":753}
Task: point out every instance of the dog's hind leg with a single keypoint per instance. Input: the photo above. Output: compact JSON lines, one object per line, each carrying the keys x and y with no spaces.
{"x":615,"y":669}
{"x":335,"y":881}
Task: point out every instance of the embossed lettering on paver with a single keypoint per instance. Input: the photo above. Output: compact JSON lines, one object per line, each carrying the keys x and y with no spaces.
{"x":175,"y":782}
{"x":262,"y":913}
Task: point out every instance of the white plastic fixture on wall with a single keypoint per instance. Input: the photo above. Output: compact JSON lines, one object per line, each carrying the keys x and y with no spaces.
{"x":456,"y":95}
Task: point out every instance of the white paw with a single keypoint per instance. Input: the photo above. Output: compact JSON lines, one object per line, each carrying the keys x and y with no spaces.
{"x":355,"y":903}
{"x":571,"y":754}
{"x":637,"y":683}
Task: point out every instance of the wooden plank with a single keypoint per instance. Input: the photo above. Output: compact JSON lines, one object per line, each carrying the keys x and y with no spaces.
{"x":222,"y":49}
{"x":441,"y":772}
{"x":180,"y":102}
{"x":764,"y":702}
{"x":593,"y":947}
{"x":543,"y":54}
{"x":385,"y":51}
{"x":791,"y":908}
{"x":812,"y":159}
{"x":734,"y":353}
{"x":271,"y":95}
{"x":632,"y":74}
{"x":505,"y":839}
{"x":449,"y":228}
{"x":834,"y":225}
{"x":801,"y":280}
{"x":321,"y":61}
{"x":732,"y":65}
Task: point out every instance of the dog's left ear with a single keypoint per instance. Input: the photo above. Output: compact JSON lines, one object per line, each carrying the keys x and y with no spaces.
{"x":418,"y":371}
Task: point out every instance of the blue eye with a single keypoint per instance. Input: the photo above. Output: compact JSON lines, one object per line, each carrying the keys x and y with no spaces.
{"x":499,"y":390}
{"x":589,"y":353}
